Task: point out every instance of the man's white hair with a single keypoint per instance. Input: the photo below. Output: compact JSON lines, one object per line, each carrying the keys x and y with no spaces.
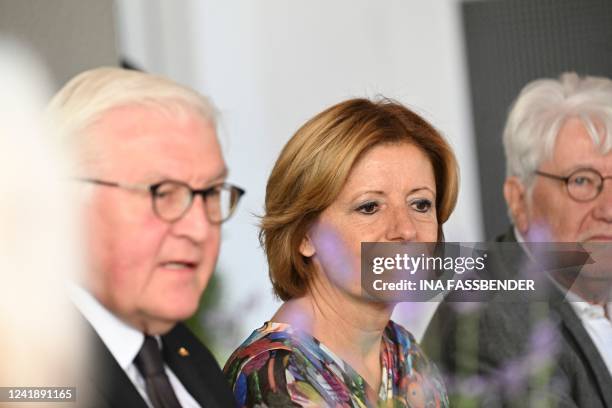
{"x":89,"y":95}
{"x":541,"y":109}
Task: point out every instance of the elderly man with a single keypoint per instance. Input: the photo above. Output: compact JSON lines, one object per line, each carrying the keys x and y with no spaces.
{"x":558,"y":145}
{"x":155,"y":196}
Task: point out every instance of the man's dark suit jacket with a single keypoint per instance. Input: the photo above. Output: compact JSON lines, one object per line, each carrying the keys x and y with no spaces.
{"x":517,"y":353}
{"x":109,"y":386}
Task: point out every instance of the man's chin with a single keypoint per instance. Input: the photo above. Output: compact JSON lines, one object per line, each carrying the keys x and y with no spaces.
{"x":161,"y":321}
{"x":181,"y":312}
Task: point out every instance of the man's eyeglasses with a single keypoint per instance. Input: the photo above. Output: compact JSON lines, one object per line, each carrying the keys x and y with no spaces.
{"x":172,"y":199}
{"x":582,"y":185}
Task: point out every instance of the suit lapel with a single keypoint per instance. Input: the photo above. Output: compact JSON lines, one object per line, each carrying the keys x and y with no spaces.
{"x":181,"y":356}
{"x":576,"y":330}
{"x":587,"y":349}
{"x":109,"y":382}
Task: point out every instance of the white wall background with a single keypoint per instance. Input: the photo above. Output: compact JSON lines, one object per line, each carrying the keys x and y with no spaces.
{"x":270,"y":65}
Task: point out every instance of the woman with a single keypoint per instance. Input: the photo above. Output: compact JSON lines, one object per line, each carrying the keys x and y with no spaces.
{"x":359,"y":171}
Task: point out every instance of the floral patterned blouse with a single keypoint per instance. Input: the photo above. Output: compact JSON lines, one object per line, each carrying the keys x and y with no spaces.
{"x":279,"y":366}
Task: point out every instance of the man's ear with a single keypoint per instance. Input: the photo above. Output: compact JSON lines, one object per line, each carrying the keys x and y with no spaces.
{"x":307,"y":249}
{"x":515,"y":194}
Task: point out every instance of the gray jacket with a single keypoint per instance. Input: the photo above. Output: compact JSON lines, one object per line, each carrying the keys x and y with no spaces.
{"x":516,"y":352}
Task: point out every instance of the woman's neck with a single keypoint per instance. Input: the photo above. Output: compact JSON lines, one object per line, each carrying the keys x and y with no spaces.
{"x":349,"y":326}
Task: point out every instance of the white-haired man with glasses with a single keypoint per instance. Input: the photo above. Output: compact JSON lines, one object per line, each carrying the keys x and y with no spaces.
{"x":155,"y":196}
{"x":558,"y":145}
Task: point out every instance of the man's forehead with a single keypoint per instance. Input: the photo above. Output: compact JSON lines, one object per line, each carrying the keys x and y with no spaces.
{"x":156,"y":175}
{"x":150,"y":126}
{"x":574,"y":147}
{"x":158,"y":144}
{"x":142,"y":116}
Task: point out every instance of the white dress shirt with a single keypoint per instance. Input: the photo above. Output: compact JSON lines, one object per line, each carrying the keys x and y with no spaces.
{"x":124,"y":342}
{"x":593,"y":318}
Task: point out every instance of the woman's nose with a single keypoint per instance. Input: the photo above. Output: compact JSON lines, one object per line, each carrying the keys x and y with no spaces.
{"x":401,"y":226}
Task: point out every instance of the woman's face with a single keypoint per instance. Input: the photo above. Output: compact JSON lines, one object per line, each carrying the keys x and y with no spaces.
{"x":389,"y":196}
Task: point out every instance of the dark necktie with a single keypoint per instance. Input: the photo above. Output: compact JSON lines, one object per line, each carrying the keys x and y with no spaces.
{"x":150,"y":364}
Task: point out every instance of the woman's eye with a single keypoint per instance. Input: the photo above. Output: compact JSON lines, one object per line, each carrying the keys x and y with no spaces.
{"x":368,"y":208}
{"x":421,"y":205}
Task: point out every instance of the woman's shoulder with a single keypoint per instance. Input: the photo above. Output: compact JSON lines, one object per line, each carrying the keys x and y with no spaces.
{"x":269,"y":337}
{"x":273,"y":341}
{"x":275,"y":365}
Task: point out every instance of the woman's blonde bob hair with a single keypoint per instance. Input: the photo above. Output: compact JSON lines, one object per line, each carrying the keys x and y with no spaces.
{"x":314,"y":165}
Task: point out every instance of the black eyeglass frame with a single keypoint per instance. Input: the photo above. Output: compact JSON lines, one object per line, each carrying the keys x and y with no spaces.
{"x":566,"y":180}
{"x":153,"y":189}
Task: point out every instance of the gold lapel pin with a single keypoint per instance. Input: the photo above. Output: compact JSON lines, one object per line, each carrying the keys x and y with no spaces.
{"x":183,"y":352}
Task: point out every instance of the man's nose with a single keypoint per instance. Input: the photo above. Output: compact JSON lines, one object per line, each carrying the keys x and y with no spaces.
{"x":401,"y":226}
{"x":194,"y":224}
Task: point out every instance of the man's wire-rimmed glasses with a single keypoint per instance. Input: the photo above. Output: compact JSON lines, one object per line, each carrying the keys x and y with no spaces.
{"x":172,"y":199}
{"x":582,"y":185}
